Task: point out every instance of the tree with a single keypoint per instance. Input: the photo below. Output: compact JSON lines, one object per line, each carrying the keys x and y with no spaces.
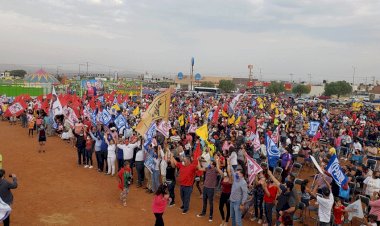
{"x":276,"y":87}
{"x":301,"y":89}
{"x":226,"y":85}
{"x":207,"y":84}
{"x":18,"y":73}
{"x":338,"y":88}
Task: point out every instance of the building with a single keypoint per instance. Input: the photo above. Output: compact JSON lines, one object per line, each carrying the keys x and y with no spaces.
{"x":185,"y":82}
{"x":375,"y":92}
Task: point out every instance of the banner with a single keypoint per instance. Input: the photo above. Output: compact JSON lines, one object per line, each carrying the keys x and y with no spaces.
{"x":55,"y":104}
{"x":70,"y":116}
{"x":273,"y":153}
{"x":164,"y":128}
{"x":16,"y":109}
{"x":105,"y":117}
{"x":336,"y":172}
{"x":355,"y":210}
{"x":120,"y":121}
{"x":158,"y":109}
{"x":313,"y":128}
{"x":149,"y":163}
{"x":253,"y":168}
{"x":150,"y":134}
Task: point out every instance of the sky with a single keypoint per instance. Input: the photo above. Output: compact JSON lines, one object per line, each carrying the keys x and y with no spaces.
{"x":328,"y":39}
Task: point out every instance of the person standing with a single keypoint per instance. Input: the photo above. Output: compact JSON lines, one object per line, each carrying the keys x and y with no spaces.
{"x":239,"y":195}
{"x":98,"y":145}
{"x":224,"y":200}
{"x":124,"y":175}
{"x":88,"y":152}
{"x":111,"y":155}
{"x":80,"y":145}
{"x":170,"y":179}
{"x":211,"y":174}
{"x":139,"y":162}
{"x":160,"y":201}
{"x":186,"y":180}
{"x":5,"y":192}
{"x":41,"y":138}
{"x":325,"y":203}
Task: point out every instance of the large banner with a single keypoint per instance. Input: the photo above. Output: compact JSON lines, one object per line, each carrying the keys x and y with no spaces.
{"x":158,"y":109}
{"x":92,"y":87}
{"x":15,"y":109}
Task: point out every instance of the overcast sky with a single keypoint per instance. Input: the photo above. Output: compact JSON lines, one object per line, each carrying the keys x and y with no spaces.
{"x":323,"y":37}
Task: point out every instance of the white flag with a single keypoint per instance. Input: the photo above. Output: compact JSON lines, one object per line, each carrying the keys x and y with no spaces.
{"x":164,"y":128}
{"x":253,"y":168}
{"x":356,"y":208}
{"x":55,"y":104}
{"x":256,"y":142}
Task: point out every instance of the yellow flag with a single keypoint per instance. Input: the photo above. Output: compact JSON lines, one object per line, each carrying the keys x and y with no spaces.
{"x":207,"y":113}
{"x":224,"y":114}
{"x":202,"y":132}
{"x":259,"y":100}
{"x":158,"y":109}
{"x":181,"y":120}
{"x":304,"y":114}
{"x":276,"y":111}
{"x":272,"y":106}
{"x":116,"y":107}
{"x":136,"y":111}
{"x":237,"y":121}
{"x":231,"y":120}
{"x":173,"y":99}
{"x":261,"y":106}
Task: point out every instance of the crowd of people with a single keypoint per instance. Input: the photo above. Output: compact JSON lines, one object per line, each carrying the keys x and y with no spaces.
{"x":312,"y":159}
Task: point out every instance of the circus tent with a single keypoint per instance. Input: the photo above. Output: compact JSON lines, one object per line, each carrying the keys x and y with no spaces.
{"x":40,"y":77}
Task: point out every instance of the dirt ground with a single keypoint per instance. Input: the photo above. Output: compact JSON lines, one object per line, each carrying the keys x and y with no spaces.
{"x":53,"y":190}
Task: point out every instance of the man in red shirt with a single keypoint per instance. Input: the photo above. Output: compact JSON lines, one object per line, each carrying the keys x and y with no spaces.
{"x":186,"y":180}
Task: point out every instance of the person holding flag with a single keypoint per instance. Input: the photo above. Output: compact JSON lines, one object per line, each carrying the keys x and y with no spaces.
{"x":273,"y":153}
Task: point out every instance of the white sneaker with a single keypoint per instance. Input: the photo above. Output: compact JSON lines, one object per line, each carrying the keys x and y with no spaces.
{"x":86,"y":166}
{"x":90,"y":167}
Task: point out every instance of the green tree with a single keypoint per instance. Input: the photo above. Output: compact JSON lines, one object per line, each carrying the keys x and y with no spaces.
{"x":18,"y":73}
{"x":276,"y":87}
{"x":300,"y":89}
{"x":338,"y":88}
{"x":207,"y":84}
{"x":226,"y":85}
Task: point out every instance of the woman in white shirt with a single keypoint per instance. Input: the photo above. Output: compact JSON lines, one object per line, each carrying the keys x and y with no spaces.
{"x":233,"y":158}
{"x":111,"y":155}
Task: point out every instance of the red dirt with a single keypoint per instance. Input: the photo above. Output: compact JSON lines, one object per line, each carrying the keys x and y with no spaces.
{"x":53,"y":190}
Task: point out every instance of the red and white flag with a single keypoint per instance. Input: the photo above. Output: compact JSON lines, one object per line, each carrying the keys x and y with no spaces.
{"x":256,"y":142}
{"x":276,"y":135}
{"x":253,"y":169}
{"x":15,"y":109}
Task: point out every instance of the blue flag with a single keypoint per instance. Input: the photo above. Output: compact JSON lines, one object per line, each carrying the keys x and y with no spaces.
{"x":336,"y":172}
{"x":313,"y":128}
{"x":105,"y":117}
{"x":149,"y":135}
{"x":273,"y":153}
{"x":120,"y":121}
{"x":210,"y":115}
{"x":93,"y":116}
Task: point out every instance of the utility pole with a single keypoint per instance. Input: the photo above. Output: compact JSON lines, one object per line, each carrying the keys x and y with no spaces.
{"x":250,"y":67}
{"x":309,"y":78}
{"x":261,"y":77}
{"x":291,"y":77}
{"x":353,"y":75}
{"x":57,"y":71}
{"x":87,"y":69}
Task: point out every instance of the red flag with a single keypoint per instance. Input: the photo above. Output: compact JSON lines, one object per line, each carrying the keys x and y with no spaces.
{"x":215,"y":116}
{"x":16,"y":109}
{"x":45,"y":106}
{"x":197,"y":152}
{"x":119,"y":99}
{"x":225,"y":107}
{"x":252,"y":124}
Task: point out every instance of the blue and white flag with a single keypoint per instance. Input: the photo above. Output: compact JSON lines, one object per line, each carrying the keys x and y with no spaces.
{"x":325,"y":122}
{"x":93,"y":117}
{"x":313,"y":128}
{"x":336,"y":172}
{"x":235,"y":101}
{"x":150,"y":134}
{"x":105,"y":117}
{"x":209,"y":117}
{"x":120,"y":121}
{"x":273,"y":153}
{"x":253,"y":102}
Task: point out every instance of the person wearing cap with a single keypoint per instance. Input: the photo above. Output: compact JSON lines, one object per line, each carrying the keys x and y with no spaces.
{"x":325,"y":203}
